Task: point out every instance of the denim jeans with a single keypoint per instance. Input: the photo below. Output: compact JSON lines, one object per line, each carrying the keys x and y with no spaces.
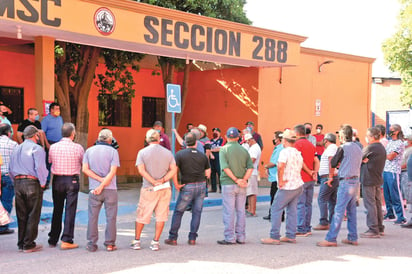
{"x":7,"y":194}
{"x":346,"y":200}
{"x":372,"y":201}
{"x":327,"y":200}
{"x":234,"y":215}
{"x":193,"y":193}
{"x":392,"y":195}
{"x":215,"y":167}
{"x":285,"y":199}
{"x":108,"y":197}
{"x":305,"y":207}
{"x":29,"y":198}
{"x":64,"y":189}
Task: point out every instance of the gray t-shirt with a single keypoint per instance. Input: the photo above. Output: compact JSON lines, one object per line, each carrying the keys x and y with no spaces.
{"x":101,"y":158}
{"x":156,"y":160}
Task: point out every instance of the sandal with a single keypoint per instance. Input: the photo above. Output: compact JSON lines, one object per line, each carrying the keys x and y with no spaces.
{"x":111,"y":247}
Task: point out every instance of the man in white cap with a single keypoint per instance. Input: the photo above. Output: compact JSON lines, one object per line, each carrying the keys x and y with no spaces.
{"x":157,"y":166}
{"x":100,"y":164}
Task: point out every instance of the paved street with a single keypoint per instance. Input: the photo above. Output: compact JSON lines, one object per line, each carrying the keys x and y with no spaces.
{"x":391,"y":253}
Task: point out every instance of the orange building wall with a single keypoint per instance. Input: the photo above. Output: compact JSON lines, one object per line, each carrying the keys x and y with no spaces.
{"x":342,"y":86}
{"x":221,"y":98}
{"x":17,"y":70}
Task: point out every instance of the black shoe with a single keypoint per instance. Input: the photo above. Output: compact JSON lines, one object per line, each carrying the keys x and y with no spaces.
{"x":240,"y":242}
{"x":407,"y":225}
{"x":7,"y":231}
{"x":224,"y":242}
{"x":266,"y":217}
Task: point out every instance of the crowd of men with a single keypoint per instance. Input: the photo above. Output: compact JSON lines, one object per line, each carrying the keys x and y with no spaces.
{"x":299,"y":160}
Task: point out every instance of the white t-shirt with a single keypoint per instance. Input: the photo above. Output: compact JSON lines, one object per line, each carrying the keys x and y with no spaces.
{"x":330,"y":151}
{"x":255,"y":152}
{"x":294,"y":162}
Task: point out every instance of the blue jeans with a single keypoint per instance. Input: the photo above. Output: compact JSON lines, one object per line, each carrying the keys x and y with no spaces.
{"x":327,"y":200}
{"x":7,"y":194}
{"x":392,"y":195}
{"x":346,"y":200}
{"x":234,"y":199}
{"x":194,"y":194}
{"x":305,"y":208}
{"x":285,"y":199}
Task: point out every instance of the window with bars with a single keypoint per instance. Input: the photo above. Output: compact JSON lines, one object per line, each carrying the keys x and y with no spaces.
{"x":153,"y":109}
{"x":114,"y":112}
{"x":13,"y":98}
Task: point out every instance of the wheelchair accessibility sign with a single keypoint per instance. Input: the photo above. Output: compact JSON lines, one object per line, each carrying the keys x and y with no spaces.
{"x":173,"y":98}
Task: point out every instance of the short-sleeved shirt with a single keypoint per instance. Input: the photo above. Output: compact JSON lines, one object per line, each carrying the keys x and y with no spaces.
{"x":6,"y":149}
{"x":216,"y":143}
{"x":27,"y":123}
{"x":255,"y":152}
{"x":192,"y":165}
{"x":330,"y":151}
{"x":371,"y":171}
{"x":52,"y":127}
{"x":164,"y":141}
{"x":273,"y":171}
{"x":100,"y":159}
{"x":394,"y":165}
{"x":319,"y":148}
{"x":234,"y":157}
{"x":308,"y":152}
{"x":66,"y":157}
{"x":157,"y":161}
{"x":294,"y":163}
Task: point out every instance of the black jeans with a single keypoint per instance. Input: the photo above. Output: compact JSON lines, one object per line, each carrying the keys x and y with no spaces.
{"x":64,"y":188}
{"x":273,"y":190}
{"x":29,"y":198}
{"x":215,"y":170}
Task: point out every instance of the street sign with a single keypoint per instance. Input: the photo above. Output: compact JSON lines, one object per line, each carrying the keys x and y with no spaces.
{"x":174,"y":101}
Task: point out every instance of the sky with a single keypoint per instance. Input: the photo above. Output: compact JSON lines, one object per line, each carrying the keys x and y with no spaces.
{"x":356,"y":27}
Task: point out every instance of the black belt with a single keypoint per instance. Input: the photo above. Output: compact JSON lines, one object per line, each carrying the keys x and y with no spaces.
{"x":348,"y":178}
{"x":71,"y":176}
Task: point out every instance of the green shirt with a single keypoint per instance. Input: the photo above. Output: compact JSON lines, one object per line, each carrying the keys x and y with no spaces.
{"x":237,"y":159}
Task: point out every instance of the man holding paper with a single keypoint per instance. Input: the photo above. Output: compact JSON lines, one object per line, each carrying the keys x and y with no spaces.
{"x":157,"y":166}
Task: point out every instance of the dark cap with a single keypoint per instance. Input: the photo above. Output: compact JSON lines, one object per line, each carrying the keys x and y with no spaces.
{"x":30,"y":131}
{"x":158,"y":123}
{"x":232,"y":132}
{"x":250,"y":123}
{"x":217,"y":129}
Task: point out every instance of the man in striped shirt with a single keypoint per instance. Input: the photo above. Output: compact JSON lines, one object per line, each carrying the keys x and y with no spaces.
{"x":66,"y":158}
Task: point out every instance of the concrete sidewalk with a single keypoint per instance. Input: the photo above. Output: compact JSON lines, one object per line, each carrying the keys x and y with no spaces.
{"x":389,"y":254}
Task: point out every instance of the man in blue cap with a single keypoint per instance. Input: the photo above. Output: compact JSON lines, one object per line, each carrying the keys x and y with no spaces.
{"x":237,"y":167}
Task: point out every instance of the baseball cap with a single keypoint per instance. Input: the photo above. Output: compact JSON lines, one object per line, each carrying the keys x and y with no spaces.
{"x":158,"y":123}
{"x":105,"y":134}
{"x":217,"y":129}
{"x":232,"y":132}
{"x":30,"y":131}
{"x":250,"y":123}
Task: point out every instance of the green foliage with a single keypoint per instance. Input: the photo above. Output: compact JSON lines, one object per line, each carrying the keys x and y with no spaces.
{"x":398,"y":50}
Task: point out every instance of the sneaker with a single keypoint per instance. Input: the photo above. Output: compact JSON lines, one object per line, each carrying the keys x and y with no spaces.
{"x":370,"y":234}
{"x":321,"y":227}
{"x":170,"y":242}
{"x":349,"y":242}
{"x":135,"y":245}
{"x":266,"y":217}
{"x":66,"y":245}
{"x":154,"y":245}
{"x":387,"y":218}
{"x":287,"y":240}
{"x":401,"y":222}
{"x":7,"y":231}
{"x":37,"y":247}
{"x":270,"y":241}
{"x":224,"y":242}
{"x":191,"y":242}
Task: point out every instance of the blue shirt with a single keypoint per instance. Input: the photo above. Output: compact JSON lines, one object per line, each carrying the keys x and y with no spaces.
{"x":100,"y":159}
{"x":29,"y":158}
{"x":52,"y":127}
{"x":273,"y":171}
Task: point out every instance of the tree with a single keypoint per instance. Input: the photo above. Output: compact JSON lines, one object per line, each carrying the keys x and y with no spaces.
{"x":231,"y":10}
{"x":398,"y":50}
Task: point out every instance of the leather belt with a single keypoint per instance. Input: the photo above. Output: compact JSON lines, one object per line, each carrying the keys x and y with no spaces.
{"x":348,"y":178}
{"x":25,"y":177}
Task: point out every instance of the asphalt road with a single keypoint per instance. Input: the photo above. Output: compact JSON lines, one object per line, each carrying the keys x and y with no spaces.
{"x":389,"y":254}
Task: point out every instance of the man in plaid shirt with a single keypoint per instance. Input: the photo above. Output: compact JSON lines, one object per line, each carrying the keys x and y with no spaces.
{"x":66,"y":158}
{"x":7,"y":189}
